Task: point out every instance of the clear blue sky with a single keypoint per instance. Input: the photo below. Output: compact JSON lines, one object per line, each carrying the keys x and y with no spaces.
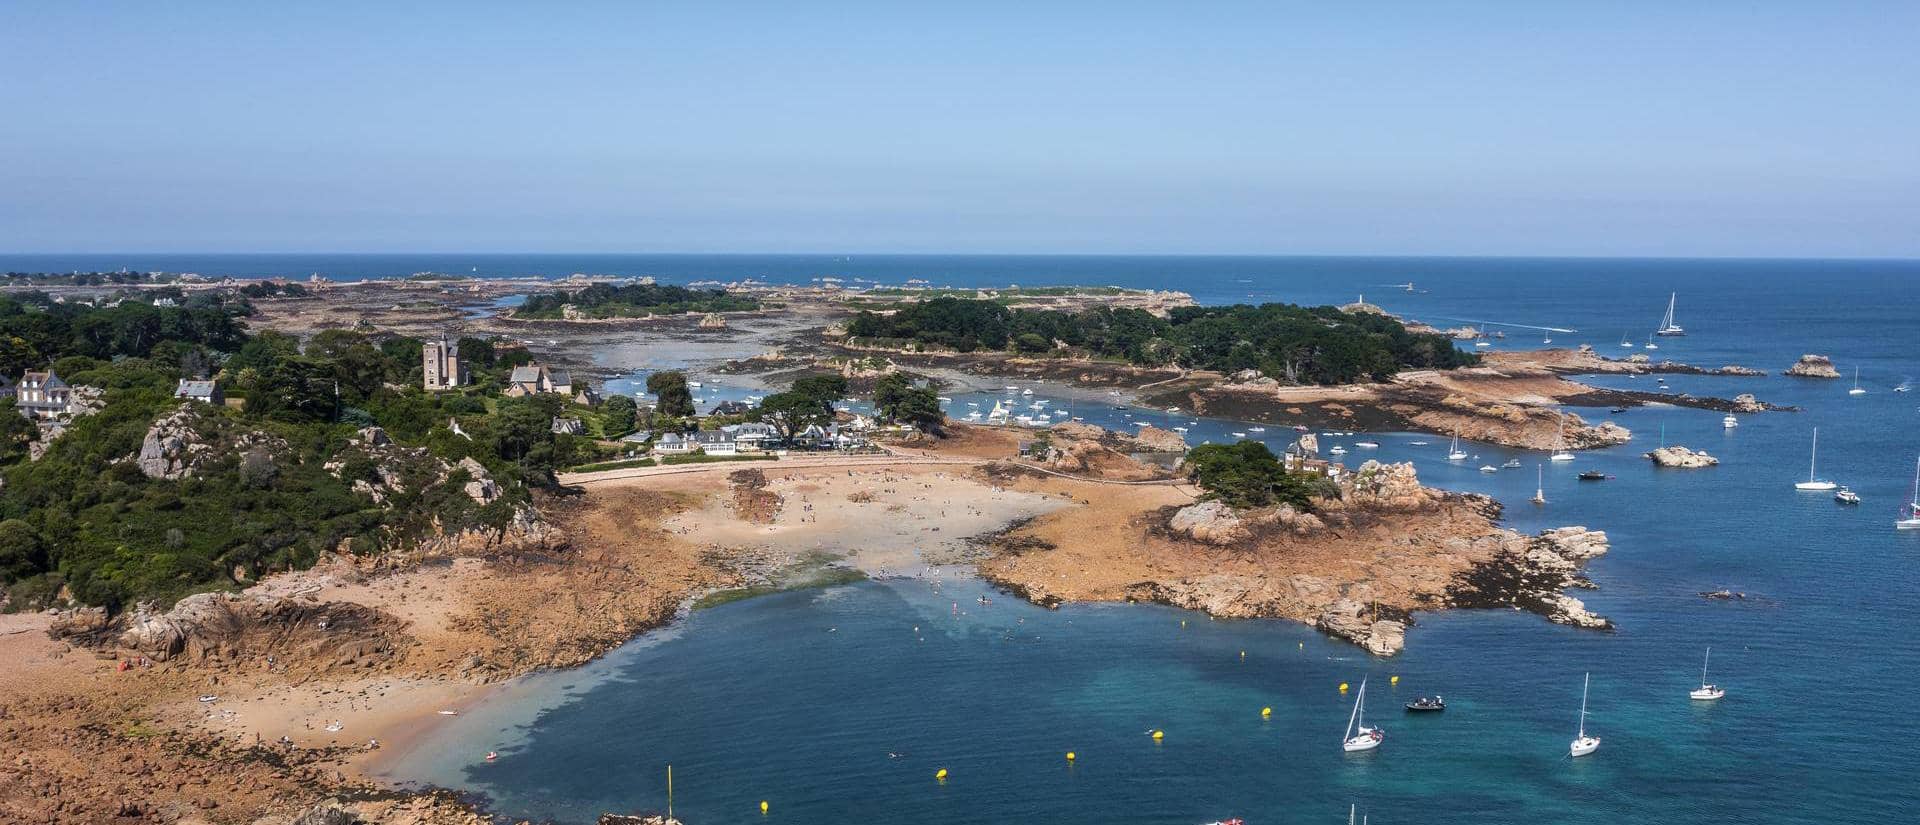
{"x":1617,"y":128}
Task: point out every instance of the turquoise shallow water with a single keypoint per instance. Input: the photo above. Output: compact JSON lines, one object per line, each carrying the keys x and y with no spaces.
{"x":800,"y":698}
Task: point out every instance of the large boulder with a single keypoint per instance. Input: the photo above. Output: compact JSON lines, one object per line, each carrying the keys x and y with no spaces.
{"x":1746,"y":403}
{"x":1681,"y":457}
{"x":1813,"y":366}
{"x":1211,"y":522}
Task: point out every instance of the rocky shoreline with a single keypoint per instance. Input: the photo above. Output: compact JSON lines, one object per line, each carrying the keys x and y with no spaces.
{"x":1357,"y":567}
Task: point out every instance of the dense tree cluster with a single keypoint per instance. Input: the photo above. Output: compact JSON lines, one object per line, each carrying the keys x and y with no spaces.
{"x":808,"y":403}
{"x":633,"y":300}
{"x":34,"y":331}
{"x":85,"y":517}
{"x":1247,"y":474}
{"x":1293,"y":344}
{"x":899,"y":400}
{"x":275,"y":289}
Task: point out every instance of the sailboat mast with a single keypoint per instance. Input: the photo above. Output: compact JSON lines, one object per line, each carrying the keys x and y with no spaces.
{"x":1583,"y":706}
{"x":1703,"y":666}
{"x":1355,"y":715}
{"x":1813,"y":456}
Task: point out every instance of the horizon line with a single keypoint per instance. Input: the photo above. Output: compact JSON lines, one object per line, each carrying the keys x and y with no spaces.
{"x":845,"y":254}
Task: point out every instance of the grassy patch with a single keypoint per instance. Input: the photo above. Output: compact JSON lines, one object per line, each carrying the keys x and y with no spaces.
{"x":612,"y":465}
{"x":708,"y":459}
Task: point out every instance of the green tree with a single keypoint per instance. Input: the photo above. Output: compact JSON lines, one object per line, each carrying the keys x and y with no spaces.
{"x":617,"y":415}
{"x":15,"y":433}
{"x":22,"y":552}
{"x":1247,"y":474}
{"x":901,"y":401}
{"x":670,"y":388}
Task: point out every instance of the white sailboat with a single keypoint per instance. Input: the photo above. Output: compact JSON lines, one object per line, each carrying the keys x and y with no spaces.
{"x":1814,"y":482}
{"x":1729,"y":422}
{"x":1560,"y":442}
{"x":1651,"y":344}
{"x":1454,"y":454}
{"x":1857,"y":389}
{"x":1540,"y":484}
{"x":1359,"y":737}
{"x":1910,"y":520}
{"x":1624,"y":342}
{"x":1706,"y":692}
{"x":1582,"y":743}
{"x":1667,"y":326}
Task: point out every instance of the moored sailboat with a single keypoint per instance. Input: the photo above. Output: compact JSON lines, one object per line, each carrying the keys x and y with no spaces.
{"x":1582,"y":743}
{"x":1667,"y":326}
{"x":1814,"y":482}
{"x":1910,"y":518}
{"x":1359,"y":737}
{"x":1706,"y":692}
{"x":1560,"y":441}
{"x":1454,"y":453}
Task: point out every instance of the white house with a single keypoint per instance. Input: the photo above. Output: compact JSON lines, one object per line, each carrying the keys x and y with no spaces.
{"x":752,"y":437}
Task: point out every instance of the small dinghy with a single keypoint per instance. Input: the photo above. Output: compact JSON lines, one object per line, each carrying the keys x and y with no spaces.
{"x":1594,"y":475}
{"x":1426,"y":705}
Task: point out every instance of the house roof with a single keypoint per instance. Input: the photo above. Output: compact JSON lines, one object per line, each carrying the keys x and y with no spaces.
{"x":560,"y":377}
{"x":525,"y":375}
{"x":194,"y":389}
{"x":711,"y":437}
{"x":46,"y":380}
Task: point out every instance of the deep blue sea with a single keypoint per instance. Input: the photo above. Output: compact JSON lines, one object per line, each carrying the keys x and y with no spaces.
{"x":838,"y":705}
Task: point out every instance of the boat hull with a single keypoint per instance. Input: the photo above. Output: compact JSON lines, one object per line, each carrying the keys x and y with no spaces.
{"x":1706,"y":694}
{"x":1582,"y":747}
{"x":1815,"y":485}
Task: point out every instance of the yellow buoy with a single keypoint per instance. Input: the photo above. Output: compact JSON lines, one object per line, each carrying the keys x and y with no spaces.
{"x":1266,"y":712}
{"x":763,"y":806}
{"x":1069,"y":756}
{"x":940,"y":774}
{"x":1394,"y":680}
{"x":1158,"y":735}
{"x":1343,"y":687}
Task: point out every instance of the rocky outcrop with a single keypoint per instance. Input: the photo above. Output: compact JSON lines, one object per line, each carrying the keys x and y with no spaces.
{"x":650,"y":819}
{"x":1353,"y":621}
{"x":481,"y":488}
{"x":1736,"y":369}
{"x":230,"y":628}
{"x":1084,"y":449}
{"x":1746,"y":403}
{"x":1386,"y":486}
{"x":1813,"y":366}
{"x":1530,"y":573}
{"x":182,"y":443}
{"x":1681,"y":457}
{"x":1211,"y":522}
{"x":1156,"y":440}
{"x":525,"y":532}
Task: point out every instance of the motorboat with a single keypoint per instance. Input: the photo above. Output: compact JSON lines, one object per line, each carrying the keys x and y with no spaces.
{"x":1426,"y":705}
{"x":1846,"y":496}
{"x":1729,"y":422}
{"x":1366,"y":444}
{"x":1489,"y":468}
{"x":1593,"y":475}
{"x":1511,"y":463}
